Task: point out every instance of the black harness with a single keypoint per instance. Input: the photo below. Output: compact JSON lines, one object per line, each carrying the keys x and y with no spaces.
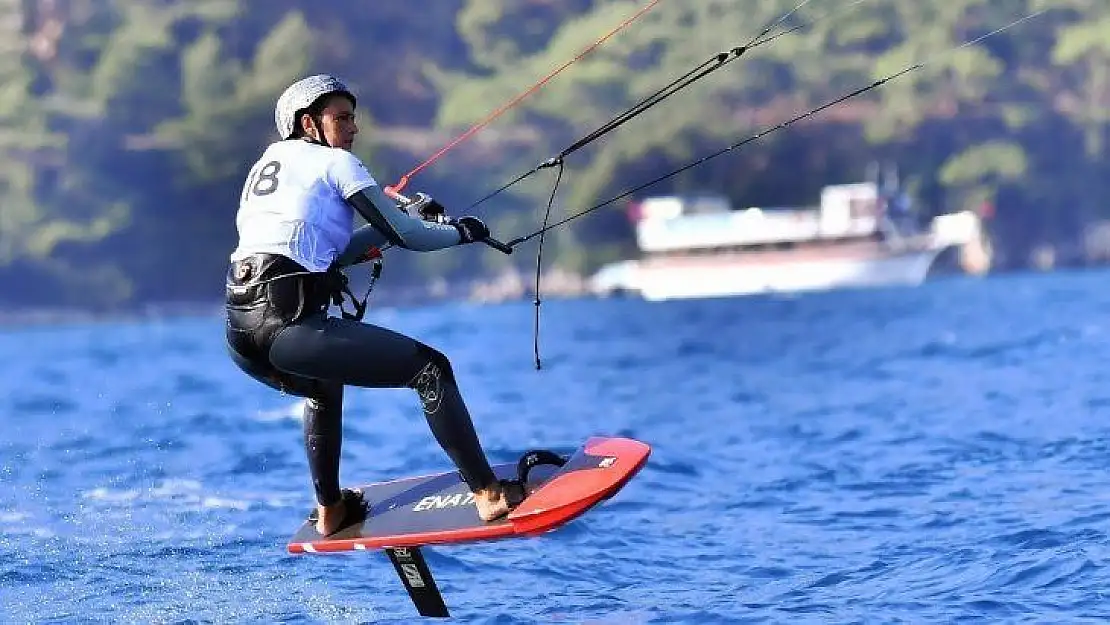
{"x":267,"y":292}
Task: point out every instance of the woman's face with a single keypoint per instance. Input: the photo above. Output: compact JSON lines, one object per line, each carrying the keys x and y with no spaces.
{"x":337,"y":121}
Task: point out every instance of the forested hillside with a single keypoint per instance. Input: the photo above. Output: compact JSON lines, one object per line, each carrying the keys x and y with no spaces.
{"x":126,"y":126}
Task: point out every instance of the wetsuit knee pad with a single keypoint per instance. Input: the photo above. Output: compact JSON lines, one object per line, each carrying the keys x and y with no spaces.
{"x":429,"y":380}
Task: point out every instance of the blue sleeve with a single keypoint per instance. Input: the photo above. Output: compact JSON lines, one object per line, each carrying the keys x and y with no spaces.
{"x":362,"y":240}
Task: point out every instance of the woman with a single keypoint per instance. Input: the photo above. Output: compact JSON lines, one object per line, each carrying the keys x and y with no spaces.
{"x":295,"y":224}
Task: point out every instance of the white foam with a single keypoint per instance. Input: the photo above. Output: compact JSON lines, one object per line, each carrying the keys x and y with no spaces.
{"x":13,"y":517}
{"x":217,"y":502}
{"x":292,"y":412}
{"x":174,"y":487}
{"x":104,"y":494}
{"x":19,"y":525}
{"x":189,"y":493}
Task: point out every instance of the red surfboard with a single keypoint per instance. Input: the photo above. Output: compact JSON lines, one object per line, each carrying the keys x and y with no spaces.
{"x":408,"y":513}
{"x":438,"y":508}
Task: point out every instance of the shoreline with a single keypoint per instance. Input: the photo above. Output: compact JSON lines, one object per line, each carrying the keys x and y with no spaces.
{"x":506,"y":287}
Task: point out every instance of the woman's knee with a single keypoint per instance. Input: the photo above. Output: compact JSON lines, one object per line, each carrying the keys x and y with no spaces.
{"x":437,"y":358}
{"x":430,"y":379}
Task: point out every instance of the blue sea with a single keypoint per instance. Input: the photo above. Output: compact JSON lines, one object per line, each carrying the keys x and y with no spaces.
{"x":930,"y":455}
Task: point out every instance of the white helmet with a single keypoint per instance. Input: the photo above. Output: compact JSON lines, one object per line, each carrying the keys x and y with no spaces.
{"x":301,"y":95}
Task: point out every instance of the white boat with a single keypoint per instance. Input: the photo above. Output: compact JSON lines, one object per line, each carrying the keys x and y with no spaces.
{"x":699,"y":247}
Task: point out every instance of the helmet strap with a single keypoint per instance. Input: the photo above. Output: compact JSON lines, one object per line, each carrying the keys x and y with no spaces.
{"x":318,"y":122}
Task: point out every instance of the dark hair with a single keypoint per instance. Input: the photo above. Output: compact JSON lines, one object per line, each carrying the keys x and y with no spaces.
{"x":315,"y":111}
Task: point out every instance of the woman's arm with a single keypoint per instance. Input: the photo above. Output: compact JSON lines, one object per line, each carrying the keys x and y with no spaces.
{"x":398,"y":227}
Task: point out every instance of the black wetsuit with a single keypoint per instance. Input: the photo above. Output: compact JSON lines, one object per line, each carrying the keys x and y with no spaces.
{"x":280,"y":333}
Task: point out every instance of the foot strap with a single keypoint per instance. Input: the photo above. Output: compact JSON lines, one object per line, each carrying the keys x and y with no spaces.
{"x":534,"y":458}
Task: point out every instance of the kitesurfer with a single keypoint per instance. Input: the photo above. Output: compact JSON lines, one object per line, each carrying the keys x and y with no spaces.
{"x":296,"y":231}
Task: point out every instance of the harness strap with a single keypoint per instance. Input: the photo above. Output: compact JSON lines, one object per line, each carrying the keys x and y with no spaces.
{"x":340,"y":284}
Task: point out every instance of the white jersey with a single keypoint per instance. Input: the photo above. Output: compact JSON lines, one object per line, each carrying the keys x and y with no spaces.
{"x":294,"y":203}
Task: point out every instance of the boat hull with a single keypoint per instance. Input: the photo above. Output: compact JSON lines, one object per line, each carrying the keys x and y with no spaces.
{"x":740,"y":274}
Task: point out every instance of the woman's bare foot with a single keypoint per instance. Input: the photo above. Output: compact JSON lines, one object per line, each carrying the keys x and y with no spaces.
{"x":494,"y":501}
{"x":329,"y":518}
{"x":349,"y":510}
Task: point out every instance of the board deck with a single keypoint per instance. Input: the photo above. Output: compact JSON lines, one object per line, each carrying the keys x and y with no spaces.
{"x":439,"y":509}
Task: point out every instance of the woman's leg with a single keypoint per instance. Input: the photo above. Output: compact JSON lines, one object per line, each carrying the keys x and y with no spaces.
{"x":323,"y":421}
{"x":323,"y":440}
{"x":341,"y":351}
